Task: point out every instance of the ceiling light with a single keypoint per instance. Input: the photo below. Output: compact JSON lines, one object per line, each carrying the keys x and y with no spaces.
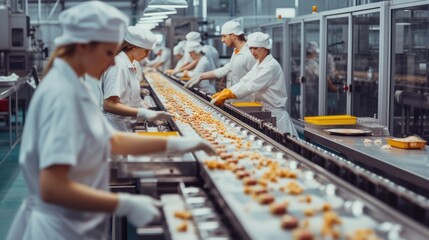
{"x":168,"y":4}
{"x":159,"y":11}
{"x":155,"y":17}
{"x":151,"y":21}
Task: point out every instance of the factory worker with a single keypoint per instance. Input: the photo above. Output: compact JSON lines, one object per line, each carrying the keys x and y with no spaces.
{"x":179,"y":53}
{"x":121,"y":86}
{"x":210,"y":52}
{"x":162,"y":59}
{"x":66,"y":139}
{"x":241,"y":60}
{"x":265,"y":80}
{"x":195,"y":51}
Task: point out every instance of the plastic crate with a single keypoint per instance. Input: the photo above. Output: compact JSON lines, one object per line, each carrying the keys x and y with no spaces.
{"x":407,"y":143}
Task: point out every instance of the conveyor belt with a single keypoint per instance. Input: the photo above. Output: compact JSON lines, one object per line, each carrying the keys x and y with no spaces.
{"x":253,"y":221}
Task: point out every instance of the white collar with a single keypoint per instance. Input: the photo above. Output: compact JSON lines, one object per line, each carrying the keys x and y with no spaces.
{"x":123,"y":55}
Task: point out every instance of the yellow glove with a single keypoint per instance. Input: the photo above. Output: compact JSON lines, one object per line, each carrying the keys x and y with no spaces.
{"x":217,"y":94}
{"x":220,"y":98}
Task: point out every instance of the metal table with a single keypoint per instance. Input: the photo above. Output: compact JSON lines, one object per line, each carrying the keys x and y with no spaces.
{"x":10,"y":90}
{"x":407,"y":167}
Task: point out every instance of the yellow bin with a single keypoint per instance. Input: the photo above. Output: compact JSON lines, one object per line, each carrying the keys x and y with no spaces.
{"x":158,"y":134}
{"x":411,"y":142}
{"x":331,"y":120}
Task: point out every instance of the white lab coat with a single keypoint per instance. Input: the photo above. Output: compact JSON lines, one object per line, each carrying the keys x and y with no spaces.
{"x":165,"y":58}
{"x":64,"y":126}
{"x":212,"y":55}
{"x":203,"y":65}
{"x":266,"y":80}
{"x":239,"y":65}
{"x":121,"y":80}
{"x":179,"y":64}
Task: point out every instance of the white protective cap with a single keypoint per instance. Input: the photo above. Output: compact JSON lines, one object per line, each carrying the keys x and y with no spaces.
{"x":156,"y":49}
{"x":193,"y":37}
{"x":140,"y":37}
{"x":92,"y":21}
{"x":259,"y":39}
{"x":178,"y":50}
{"x":193,"y":47}
{"x":312,"y":46}
{"x":231,"y":27}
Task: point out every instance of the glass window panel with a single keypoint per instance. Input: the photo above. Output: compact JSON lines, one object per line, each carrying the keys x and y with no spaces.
{"x":410,"y":72}
{"x":277,"y":50}
{"x":336,"y":65}
{"x":361,"y":2}
{"x":311,"y":68}
{"x":366,"y":47}
{"x":295,"y":50}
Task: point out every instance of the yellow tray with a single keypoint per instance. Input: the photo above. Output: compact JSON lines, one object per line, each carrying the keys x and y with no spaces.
{"x":159,"y":134}
{"x":407,"y":143}
{"x":331,"y":120}
{"x":247,"y":104}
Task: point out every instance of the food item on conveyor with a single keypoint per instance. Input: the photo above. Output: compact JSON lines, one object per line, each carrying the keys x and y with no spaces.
{"x":367,"y":141}
{"x":248,"y":181}
{"x":326,"y":207}
{"x":386,"y":147}
{"x":289,"y":222}
{"x":242,"y":174}
{"x":302,"y":234}
{"x":309,"y":212}
{"x":214,"y":164}
{"x":225,"y":155}
{"x":286,"y":173}
{"x":330,"y":221}
{"x":293,"y":188}
{"x":363,"y":234}
{"x":258,"y":190}
{"x":279,"y":208}
{"x":182,"y":227}
{"x":231,"y":160}
{"x":265,"y":198}
{"x":305,"y":199}
{"x":263,"y":182}
{"x":378,"y":141}
{"x":183,"y":214}
{"x":236,"y":168}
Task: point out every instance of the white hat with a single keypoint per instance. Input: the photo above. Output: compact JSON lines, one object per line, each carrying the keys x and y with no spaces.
{"x":178,"y":50}
{"x":259,"y":39}
{"x":232,"y":27}
{"x":193,"y":47}
{"x":156,"y":49}
{"x":182,"y":44}
{"x":193,"y":37}
{"x":92,"y":21}
{"x":312,"y":46}
{"x":140,"y":37}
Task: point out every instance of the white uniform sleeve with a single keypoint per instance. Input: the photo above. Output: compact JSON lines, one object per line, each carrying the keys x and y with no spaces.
{"x":223,"y":71}
{"x":252,"y":82}
{"x":114,"y":83}
{"x":250,"y":62}
{"x":201,"y":67}
{"x":61,"y":135}
{"x":164,"y":56}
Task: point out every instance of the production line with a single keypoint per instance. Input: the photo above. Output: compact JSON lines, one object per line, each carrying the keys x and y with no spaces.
{"x":254,"y":177}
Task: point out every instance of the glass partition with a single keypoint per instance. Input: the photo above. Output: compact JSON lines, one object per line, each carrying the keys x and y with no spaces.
{"x":410,"y":72}
{"x":366,"y":50}
{"x":336,"y":65}
{"x":311,"y":68}
{"x":277,"y":50}
{"x":295,"y":65}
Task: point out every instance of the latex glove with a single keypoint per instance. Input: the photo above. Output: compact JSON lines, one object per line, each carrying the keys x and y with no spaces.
{"x":180,"y":145}
{"x":139,"y":209}
{"x":193,"y":81}
{"x":219,"y":99}
{"x":150,"y":115}
{"x":169,"y":71}
{"x":179,"y":74}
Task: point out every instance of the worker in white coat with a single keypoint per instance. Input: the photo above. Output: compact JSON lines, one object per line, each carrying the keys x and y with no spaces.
{"x":209,"y":51}
{"x":240,"y":63}
{"x":66,"y":139}
{"x":265,"y":80}
{"x":179,"y":54}
{"x":195,"y":51}
{"x":121,"y":86}
{"x":162,"y":60}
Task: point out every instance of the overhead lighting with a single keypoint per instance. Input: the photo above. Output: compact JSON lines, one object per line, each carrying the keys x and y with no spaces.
{"x":158,"y":11}
{"x":168,"y":4}
{"x":151,"y":21}
{"x":155,"y":17}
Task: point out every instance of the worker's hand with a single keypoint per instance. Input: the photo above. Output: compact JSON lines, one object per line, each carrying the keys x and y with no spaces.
{"x":193,"y":82}
{"x":180,"y":145}
{"x":169,"y":71}
{"x":175,"y":72}
{"x":186,"y":73}
{"x":220,"y":98}
{"x":139,"y":209}
{"x":150,"y":115}
{"x":179,"y":74}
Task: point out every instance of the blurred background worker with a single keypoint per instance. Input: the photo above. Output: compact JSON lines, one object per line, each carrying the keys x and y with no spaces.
{"x":67,"y":140}
{"x":311,"y":73}
{"x":121,"y":86}
{"x":162,"y":61}
{"x":241,"y":60}
{"x":266,"y":80}
{"x":179,"y":54}
{"x":194,"y":50}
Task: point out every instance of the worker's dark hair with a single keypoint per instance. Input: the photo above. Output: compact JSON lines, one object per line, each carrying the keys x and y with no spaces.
{"x":62,"y":51}
{"x":242,"y":37}
{"x":125,"y":47}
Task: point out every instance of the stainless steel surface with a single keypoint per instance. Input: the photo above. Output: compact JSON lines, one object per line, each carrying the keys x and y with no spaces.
{"x":410,"y":166}
{"x":229,"y":194}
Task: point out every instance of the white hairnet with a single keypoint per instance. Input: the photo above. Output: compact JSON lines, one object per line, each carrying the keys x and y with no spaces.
{"x":259,"y":39}
{"x":182,"y":44}
{"x":312,"y":46}
{"x":193,"y":47}
{"x":178,"y":50}
{"x":92,"y":21}
{"x":232,"y":27}
{"x":140,"y":37}
{"x":193,"y":37}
